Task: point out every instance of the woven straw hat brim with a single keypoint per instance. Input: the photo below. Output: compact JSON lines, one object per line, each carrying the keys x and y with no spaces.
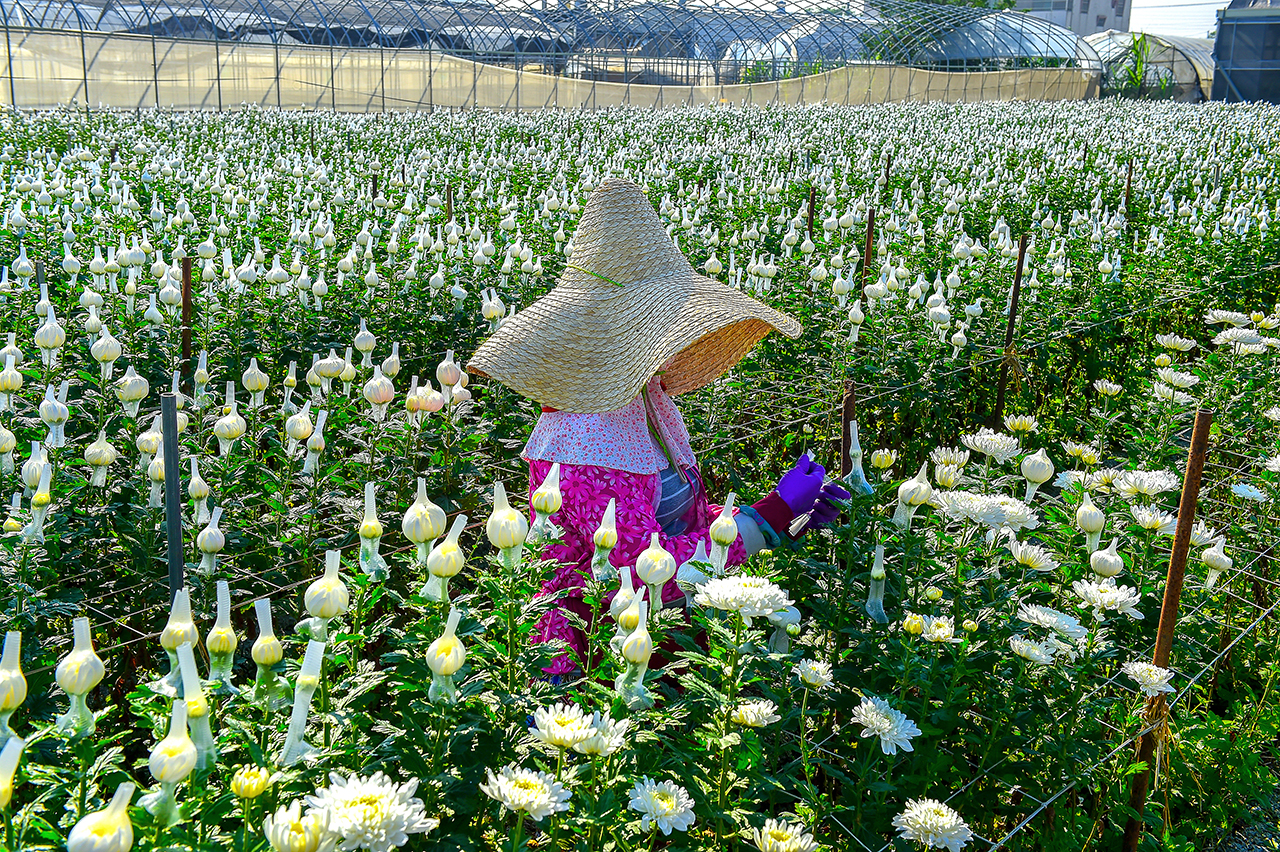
{"x":627,"y":307}
{"x":591,"y":349}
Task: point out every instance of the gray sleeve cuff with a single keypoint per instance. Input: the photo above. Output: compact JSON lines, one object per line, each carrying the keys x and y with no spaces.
{"x":752,"y":537}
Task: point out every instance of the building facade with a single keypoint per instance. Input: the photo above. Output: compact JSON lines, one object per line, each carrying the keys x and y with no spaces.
{"x":1083,"y":17}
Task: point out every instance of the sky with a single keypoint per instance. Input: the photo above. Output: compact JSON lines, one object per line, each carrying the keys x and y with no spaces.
{"x":1181,"y":17}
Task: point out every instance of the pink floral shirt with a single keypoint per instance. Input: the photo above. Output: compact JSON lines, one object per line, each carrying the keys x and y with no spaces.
{"x":586,"y":491}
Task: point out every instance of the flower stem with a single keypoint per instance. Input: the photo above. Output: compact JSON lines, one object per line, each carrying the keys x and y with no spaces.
{"x":515,"y":838}
{"x":804,"y":737}
{"x":724,"y":728}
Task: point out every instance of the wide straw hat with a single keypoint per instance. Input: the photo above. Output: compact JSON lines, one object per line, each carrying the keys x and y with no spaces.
{"x":628,"y":306}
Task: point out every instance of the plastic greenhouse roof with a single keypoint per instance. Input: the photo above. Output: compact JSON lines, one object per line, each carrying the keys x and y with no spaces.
{"x":1113,"y":46}
{"x":860,"y":31}
{"x":1007,"y":36}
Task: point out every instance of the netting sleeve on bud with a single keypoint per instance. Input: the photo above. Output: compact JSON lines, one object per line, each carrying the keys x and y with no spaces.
{"x":197,"y":708}
{"x":315,"y":444}
{"x":201,"y":379}
{"x":40,"y":505}
{"x":295,"y":747}
{"x":221,"y":644}
{"x":210,"y":541}
{"x":546,"y":501}
{"x":10,"y":757}
{"x":371,"y":561}
{"x":912,"y":494}
{"x":267,"y":652}
{"x":724,"y":531}
{"x":13,"y":684}
{"x":856,"y":478}
{"x":506,"y":528}
{"x":445,"y":561}
{"x":637,"y":648}
{"x":179,"y":629}
{"x":875,"y":594}
{"x":604,"y":540}
{"x":444,"y":657}
{"x":78,"y":673}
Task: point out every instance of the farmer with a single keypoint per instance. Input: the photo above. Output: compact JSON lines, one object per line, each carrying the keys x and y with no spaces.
{"x":628,"y":326}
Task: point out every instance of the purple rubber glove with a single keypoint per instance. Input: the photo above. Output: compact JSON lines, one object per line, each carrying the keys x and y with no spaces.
{"x":826,"y":509}
{"x":800,"y":486}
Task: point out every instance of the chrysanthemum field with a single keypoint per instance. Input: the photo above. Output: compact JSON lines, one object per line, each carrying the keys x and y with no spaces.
{"x":963,"y":661}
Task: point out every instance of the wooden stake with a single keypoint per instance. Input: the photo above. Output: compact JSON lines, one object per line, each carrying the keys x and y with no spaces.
{"x":1128,"y":191}
{"x":1008,"y":332}
{"x":848,"y":413}
{"x":1169,"y":616}
{"x":813,"y":193}
{"x":866,"y":252}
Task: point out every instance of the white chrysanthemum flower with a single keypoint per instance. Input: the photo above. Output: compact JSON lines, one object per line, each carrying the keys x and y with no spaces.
{"x":1104,"y":596}
{"x":1252,"y":348}
{"x":756,"y":714}
{"x":1164,"y":393}
{"x":1051,"y":619}
{"x":1084,"y":452}
{"x":940,"y":629}
{"x":879,"y":719}
{"x":1065,"y":648}
{"x":1151,"y":679}
{"x":1174,"y":343}
{"x":933,"y":824}
{"x":1032,"y":556}
{"x":1021,"y":423}
{"x":1177,"y":378}
{"x":562,"y":725}
{"x":1231,"y":318}
{"x":371,"y":813}
{"x":814,"y":674}
{"x":949,"y":455}
{"x":1069,"y":479}
{"x":1248,"y":492}
{"x":783,"y":836}
{"x":1272,"y":414}
{"x":1103,"y":479}
{"x":1145,"y":483}
{"x":606,"y":737}
{"x":750,"y":597}
{"x":1202,"y":534}
{"x":1272,"y":464}
{"x":997,"y":512}
{"x":1153,"y":520}
{"x":289,"y":830}
{"x":664,"y":805}
{"x":536,"y":793}
{"x":996,"y":445}
{"x":1107,"y":388}
{"x":1237,"y":337}
{"x":1040,"y":653}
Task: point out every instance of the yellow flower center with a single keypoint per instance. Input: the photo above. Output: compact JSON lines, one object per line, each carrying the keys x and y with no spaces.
{"x":665,"y":799}
{"x":527,"y":785}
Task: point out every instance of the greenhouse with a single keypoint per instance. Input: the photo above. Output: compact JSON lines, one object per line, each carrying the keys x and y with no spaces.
{"x":1155,"y":66}
{"x":429,"y":49}
{"x":1248,"y":52}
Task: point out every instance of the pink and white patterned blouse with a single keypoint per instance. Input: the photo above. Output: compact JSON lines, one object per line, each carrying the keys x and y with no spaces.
{"x":607,"y":457}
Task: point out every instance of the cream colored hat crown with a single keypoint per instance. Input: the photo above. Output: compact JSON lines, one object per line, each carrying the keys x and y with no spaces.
{"x":628,"y":306}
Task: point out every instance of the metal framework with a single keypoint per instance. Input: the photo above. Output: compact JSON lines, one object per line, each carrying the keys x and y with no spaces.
{"x":1247,"y":52}
{"x":1173,"y":67}
{"x":679,"y":43}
